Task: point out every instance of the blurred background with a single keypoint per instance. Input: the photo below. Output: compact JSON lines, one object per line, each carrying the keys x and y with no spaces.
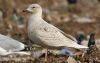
{"x":71,"y":16}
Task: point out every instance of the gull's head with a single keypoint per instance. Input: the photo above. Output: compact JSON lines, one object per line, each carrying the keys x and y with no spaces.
{"x":34,"y":8}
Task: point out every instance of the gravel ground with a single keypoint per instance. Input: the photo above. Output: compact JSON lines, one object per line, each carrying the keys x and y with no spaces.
{"x":92,"y":56}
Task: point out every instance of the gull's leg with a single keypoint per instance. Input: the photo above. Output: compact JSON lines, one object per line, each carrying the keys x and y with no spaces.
{"x":46,"y":55}
{"x":82,"y":55}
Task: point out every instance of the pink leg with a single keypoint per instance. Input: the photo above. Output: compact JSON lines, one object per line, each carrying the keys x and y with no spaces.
{"x":46,"y":55}
{"x":82,"y":55}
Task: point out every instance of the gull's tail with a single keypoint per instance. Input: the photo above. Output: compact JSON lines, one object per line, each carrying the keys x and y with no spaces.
{"x":80,"y":47}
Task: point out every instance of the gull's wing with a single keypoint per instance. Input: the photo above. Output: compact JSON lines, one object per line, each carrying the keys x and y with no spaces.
{"x":51,"y":36}
{"x":68,"y":36}
{"x":2,"y":50}
{"x":10,"y":44}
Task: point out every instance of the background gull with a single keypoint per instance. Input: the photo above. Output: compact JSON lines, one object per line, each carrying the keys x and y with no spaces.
{"x":11,"y":46}
{"x":4,"y":53}
{"x":45,"y":34}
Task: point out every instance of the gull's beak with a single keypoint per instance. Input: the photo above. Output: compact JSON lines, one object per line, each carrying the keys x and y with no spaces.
{"x":26,"y":11}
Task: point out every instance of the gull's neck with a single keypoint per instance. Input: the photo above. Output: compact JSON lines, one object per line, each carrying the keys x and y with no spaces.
{"x":36,"y":16}
{"x":33,"y":19}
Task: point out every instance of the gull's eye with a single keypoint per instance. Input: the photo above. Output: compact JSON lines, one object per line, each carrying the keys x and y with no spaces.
{"x":33,"y":7}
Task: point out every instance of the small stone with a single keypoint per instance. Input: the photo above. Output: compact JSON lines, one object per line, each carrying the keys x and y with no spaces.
{"x":71,"y":60}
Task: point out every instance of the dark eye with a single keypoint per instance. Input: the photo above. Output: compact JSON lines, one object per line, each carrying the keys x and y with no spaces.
{"x":33,"y":7}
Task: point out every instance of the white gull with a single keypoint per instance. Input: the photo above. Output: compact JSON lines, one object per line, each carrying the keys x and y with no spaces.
{"x":11,"y":46}
{"x":45,"y":34}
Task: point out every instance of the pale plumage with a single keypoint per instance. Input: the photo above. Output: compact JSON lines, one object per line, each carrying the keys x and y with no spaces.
{"x":18,"y":53}
{"x":10,"y":44}
{"x":45,"y":34}
{"x":2,"y":50}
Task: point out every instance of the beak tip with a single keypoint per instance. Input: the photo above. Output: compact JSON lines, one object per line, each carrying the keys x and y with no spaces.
{"x":24,"y":11}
